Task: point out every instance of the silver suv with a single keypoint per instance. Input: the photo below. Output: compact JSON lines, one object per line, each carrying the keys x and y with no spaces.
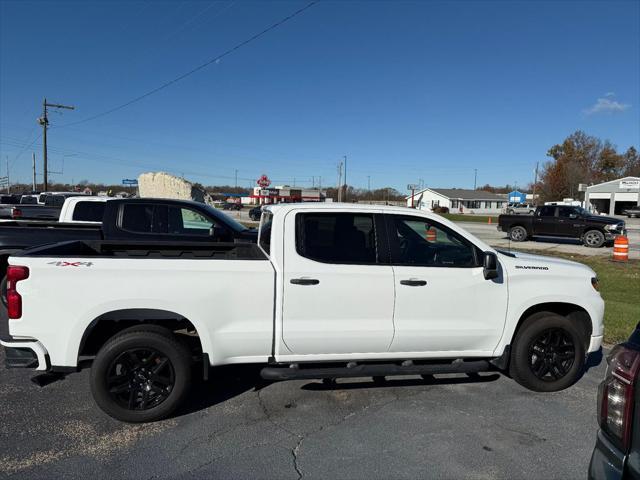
{"x":517,"y":208}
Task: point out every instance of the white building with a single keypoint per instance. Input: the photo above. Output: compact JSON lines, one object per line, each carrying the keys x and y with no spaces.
{"x":458,"y":200}
{"x":611,"y":198}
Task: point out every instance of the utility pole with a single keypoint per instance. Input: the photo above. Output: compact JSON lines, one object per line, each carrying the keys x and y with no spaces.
{"x":475,"y":178}
{"x":8,"y":184}
{"x":33,"y":164}
{"x":236,"y":178}
{"x":44,"y":121}
{"x":535,"y":182}
{"x":339,"y":189}
{"x":369,"y":182}
{"x":346,"y":187}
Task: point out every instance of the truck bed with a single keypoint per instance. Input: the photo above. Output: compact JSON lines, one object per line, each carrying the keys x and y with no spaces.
{"x":19,"y":235}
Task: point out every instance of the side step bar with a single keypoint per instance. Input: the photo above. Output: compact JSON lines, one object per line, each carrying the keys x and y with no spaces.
{"x":294,"y":372}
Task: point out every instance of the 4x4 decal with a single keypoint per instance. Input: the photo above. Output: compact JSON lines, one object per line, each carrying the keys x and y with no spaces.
{"x":70,"y":264}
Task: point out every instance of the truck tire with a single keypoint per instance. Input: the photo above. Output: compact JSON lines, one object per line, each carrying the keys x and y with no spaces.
{"x":141,"y":375}
{"x":593,"y":239}
{"x":510,"y":212}
{"x":548,"y":353}
{"x":518,"y":234}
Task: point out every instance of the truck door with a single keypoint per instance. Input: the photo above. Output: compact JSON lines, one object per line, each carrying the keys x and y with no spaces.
{"x":338,"y":295}
{"x":570,"y":222}
{"x":544,"y":221}
{"x":443,"y":302}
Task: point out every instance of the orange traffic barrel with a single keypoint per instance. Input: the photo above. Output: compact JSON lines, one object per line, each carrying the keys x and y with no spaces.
{"x":431,"y":235}
{"x":621,"y":248}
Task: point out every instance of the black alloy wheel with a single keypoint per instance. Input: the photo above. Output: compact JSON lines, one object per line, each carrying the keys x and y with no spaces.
{"x":141,"y":374}
{"x":551,"y":354}
{"x":140,"y":378}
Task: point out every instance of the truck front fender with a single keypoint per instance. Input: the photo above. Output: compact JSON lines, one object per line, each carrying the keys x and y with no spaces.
{"x":561,"y":304}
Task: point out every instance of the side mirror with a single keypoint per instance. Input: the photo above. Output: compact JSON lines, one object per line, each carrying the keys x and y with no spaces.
{"x":216,"y":232}
{"x":573,"y":215}
{"x":490,"y":265}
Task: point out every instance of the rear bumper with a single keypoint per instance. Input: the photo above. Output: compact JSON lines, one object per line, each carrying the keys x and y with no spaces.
{"x":25,"y":354}
{"x":607,"y":462}
{"x":595,"y":344}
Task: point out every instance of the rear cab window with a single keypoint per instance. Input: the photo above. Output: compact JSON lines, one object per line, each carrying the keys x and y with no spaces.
{"x":264,"y":232}
{"x":88,"y":211}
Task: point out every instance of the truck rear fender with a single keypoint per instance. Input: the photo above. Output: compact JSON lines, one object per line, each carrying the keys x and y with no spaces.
{"x":109,"y":324}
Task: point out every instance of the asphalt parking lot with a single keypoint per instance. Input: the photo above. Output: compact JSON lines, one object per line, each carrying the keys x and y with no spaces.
{"x":236,"y":427}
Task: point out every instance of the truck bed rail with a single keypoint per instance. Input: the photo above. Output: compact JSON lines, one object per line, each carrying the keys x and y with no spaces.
{"x":127,"y":249}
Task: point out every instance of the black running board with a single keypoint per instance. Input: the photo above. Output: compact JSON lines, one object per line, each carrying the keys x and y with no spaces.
{"x":297,"y":372}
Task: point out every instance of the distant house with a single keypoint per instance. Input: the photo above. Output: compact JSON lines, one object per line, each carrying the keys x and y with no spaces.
{"x":459,"y":200}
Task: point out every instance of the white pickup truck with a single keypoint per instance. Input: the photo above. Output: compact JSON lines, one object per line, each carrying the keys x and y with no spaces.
{"x":329,"y":291}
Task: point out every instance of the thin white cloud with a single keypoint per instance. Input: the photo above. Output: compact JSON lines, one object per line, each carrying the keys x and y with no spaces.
{"x":606,"y":104}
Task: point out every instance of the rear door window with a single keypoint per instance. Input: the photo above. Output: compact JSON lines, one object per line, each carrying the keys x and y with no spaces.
{"x":547,"y":211}
{"x":336,"y":237}
{"x":141,"y":218}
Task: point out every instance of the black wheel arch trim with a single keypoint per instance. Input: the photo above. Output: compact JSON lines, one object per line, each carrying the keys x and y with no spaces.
{"x":130,"y":317}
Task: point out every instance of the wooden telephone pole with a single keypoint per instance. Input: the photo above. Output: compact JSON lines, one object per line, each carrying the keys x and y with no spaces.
{"x":44,"y":121}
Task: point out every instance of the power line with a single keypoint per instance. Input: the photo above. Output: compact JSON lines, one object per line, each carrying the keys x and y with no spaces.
{"x":110,"y":159}
{"x":25,"y":149}
{"x":196,"y":69}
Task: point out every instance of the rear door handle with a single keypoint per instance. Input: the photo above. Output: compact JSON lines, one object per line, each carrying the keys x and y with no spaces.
{"x":413,"y":283}
{"x":305,"y":281}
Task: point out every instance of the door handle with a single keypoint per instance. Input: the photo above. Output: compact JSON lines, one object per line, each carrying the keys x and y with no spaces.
{"x":413,"y":283}
{"x":305,"y":281}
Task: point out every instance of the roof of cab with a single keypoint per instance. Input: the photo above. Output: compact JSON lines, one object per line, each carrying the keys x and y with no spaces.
{"x":341,"y":205}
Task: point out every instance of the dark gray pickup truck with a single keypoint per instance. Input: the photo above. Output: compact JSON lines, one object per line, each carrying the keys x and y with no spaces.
{"x":562,"y":221}
{"x":129,"y":219}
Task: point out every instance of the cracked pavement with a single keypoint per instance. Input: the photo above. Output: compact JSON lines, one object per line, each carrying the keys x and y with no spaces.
{"x":237,"y":427}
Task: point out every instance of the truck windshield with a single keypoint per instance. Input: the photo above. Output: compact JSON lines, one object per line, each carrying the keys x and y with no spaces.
{"x":224,"y":219}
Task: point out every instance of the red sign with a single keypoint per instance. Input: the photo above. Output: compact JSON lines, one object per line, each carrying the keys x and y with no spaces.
{"x":263,"y":181}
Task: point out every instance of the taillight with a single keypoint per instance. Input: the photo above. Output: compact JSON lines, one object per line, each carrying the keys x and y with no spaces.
{"x":15,"y":273}
{"x":616,"y":395}
{"x":16,"y":213}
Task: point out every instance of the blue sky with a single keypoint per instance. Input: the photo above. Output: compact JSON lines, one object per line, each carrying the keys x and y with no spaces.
{"x":406,"y":90}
